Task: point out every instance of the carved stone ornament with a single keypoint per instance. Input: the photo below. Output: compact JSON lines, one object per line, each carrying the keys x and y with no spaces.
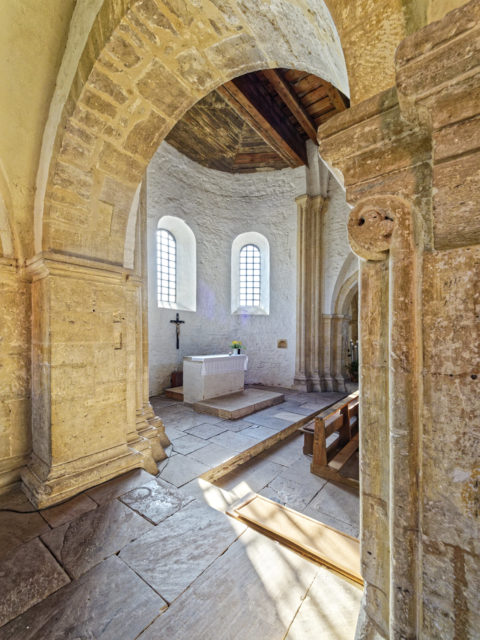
{"x":371,"y":225}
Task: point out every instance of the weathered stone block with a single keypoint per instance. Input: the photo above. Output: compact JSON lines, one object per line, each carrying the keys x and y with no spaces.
{"x":96,"y":103}
{"x":236,"y":55}
{"x":163,"y":90}
{"x":119,"y":164}
{"x":146,"y":136}
{"x":455,"y":204}
{"x":103,"y":83}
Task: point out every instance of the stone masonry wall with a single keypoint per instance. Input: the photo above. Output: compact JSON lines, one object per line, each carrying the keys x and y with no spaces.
{"x":15,"y":439}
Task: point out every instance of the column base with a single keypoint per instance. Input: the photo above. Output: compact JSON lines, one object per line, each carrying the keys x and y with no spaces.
{"x":327,"y":383}
{"x":301,"y":383}
{"x":156,"y":423}
{"x":340,"y":384}
{"x":315,"y":382}
{"x":46,"y":485}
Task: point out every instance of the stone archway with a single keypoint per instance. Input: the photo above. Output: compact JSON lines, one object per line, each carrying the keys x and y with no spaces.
{"x":141,"y":69}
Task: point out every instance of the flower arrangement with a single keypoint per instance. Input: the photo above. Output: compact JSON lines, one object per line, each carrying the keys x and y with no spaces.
{"x":236,"y":344}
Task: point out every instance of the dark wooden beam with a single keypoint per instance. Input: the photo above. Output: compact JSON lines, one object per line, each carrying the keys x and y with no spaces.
{"x":252,"y":102}
{"x":335,"y":96}
{"x":289,"y":97}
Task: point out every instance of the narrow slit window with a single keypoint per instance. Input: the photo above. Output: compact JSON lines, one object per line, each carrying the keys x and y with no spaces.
{"x":166,"y":267}
{"x":250,"y":276}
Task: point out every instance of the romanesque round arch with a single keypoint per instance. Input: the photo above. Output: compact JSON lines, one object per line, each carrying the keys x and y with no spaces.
{"x":141,"y":69}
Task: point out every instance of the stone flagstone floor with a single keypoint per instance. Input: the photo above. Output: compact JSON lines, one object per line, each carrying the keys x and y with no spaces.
{"x":148,"y":557}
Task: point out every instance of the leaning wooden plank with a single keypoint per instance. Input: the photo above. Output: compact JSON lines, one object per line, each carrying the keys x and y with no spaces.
{"x":345,"y":454}
{"x":331,"y":548}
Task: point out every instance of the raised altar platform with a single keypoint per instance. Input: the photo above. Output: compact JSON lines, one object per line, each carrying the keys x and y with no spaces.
{"x":240,"y":404}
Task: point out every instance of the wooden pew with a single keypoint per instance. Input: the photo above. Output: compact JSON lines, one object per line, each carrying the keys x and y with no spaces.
{"x":335,"y":440}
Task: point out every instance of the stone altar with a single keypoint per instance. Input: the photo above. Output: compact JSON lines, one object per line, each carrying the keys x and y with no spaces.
{"x":206,"y":377}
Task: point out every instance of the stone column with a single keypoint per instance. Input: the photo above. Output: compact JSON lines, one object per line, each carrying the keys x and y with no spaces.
{"x":438,"y":82}
{"x":326,"y":353}
{"x":82,"y":425}
{"x":154,"y":429}
{"x":410,"y":163}
{"x":15,"y":415}
{"x":340,"y":329}
{"x":384,"y":232}
{"x":309,"y":289}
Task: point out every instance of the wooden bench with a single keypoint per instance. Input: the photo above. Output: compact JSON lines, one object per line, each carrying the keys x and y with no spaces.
{"x":335,"y":440}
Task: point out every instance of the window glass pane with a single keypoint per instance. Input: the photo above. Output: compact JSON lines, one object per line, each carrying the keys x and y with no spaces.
{"x":250,"y":276}
{"x":166,"y":267}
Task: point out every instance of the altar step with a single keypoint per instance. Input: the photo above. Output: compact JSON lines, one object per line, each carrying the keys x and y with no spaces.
{"x":240,"y":404}
{"x":312,"y":539}
{"x":175,"y":393}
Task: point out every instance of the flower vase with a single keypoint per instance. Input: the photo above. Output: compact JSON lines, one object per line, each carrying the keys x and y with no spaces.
{"x":237,"y":351}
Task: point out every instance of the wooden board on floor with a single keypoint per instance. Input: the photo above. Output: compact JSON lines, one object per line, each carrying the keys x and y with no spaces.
{"x":331,"y":548}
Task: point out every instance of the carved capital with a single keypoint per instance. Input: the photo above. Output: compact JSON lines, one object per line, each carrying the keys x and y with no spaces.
{"x":372,"y":223}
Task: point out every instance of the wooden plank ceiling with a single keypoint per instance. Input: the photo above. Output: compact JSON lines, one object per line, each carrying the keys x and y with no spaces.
{"x":257,"y":122}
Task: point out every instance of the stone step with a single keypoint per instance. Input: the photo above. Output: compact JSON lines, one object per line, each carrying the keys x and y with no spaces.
{"x":175,"y":393}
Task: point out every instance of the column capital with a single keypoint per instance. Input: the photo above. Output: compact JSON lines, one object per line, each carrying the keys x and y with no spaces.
{"x":313,"y":203}
{"x":50,"y":263}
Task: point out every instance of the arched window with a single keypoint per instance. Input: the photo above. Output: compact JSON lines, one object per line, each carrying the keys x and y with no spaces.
{"x":176,"y":265}
{"x":250,"y":270}
{"x":166,"y":267}
{"x":250,"y":273}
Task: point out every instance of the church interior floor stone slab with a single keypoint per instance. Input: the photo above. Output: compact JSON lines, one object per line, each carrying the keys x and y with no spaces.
{"x":98,"y":534}
{"x":241,"y":404}
{"x":28,"y":575}
{"x":194,"y":536}
{"x":110,"y":602}
{"x":18,"y":528}
{"x":139,"y":553}
{"x":156,"y":500}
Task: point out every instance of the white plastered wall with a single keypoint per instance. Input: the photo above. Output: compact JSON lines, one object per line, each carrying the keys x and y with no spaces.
{"x":218,"y":207}
{"x":338,"y":260}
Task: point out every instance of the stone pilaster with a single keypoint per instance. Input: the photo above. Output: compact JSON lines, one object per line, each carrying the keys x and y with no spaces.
{"x":379,"y":155}
{"x":149,"y":425}
{"x":410,"y":163}
{"x":83,"y":415}
{"x":326,"y":353}
{"x":339,"y":351}
{"x":309,"y":289}
{"x":15,"y":414}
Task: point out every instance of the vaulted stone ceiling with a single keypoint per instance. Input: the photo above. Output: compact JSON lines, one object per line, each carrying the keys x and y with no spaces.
{"x":257,"y":122}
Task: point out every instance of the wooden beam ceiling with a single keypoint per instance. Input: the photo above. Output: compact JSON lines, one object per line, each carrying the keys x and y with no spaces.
{"x":286,"y":93}
{"x":252,"y":102}
{"x":257,"y":122}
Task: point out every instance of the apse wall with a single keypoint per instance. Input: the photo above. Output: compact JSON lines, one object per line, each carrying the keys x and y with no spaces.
{"x":217,"y":207}
{"x":338,"y":260}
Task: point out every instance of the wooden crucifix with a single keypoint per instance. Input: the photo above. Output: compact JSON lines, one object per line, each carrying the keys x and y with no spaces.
{"x":178,"y":322}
